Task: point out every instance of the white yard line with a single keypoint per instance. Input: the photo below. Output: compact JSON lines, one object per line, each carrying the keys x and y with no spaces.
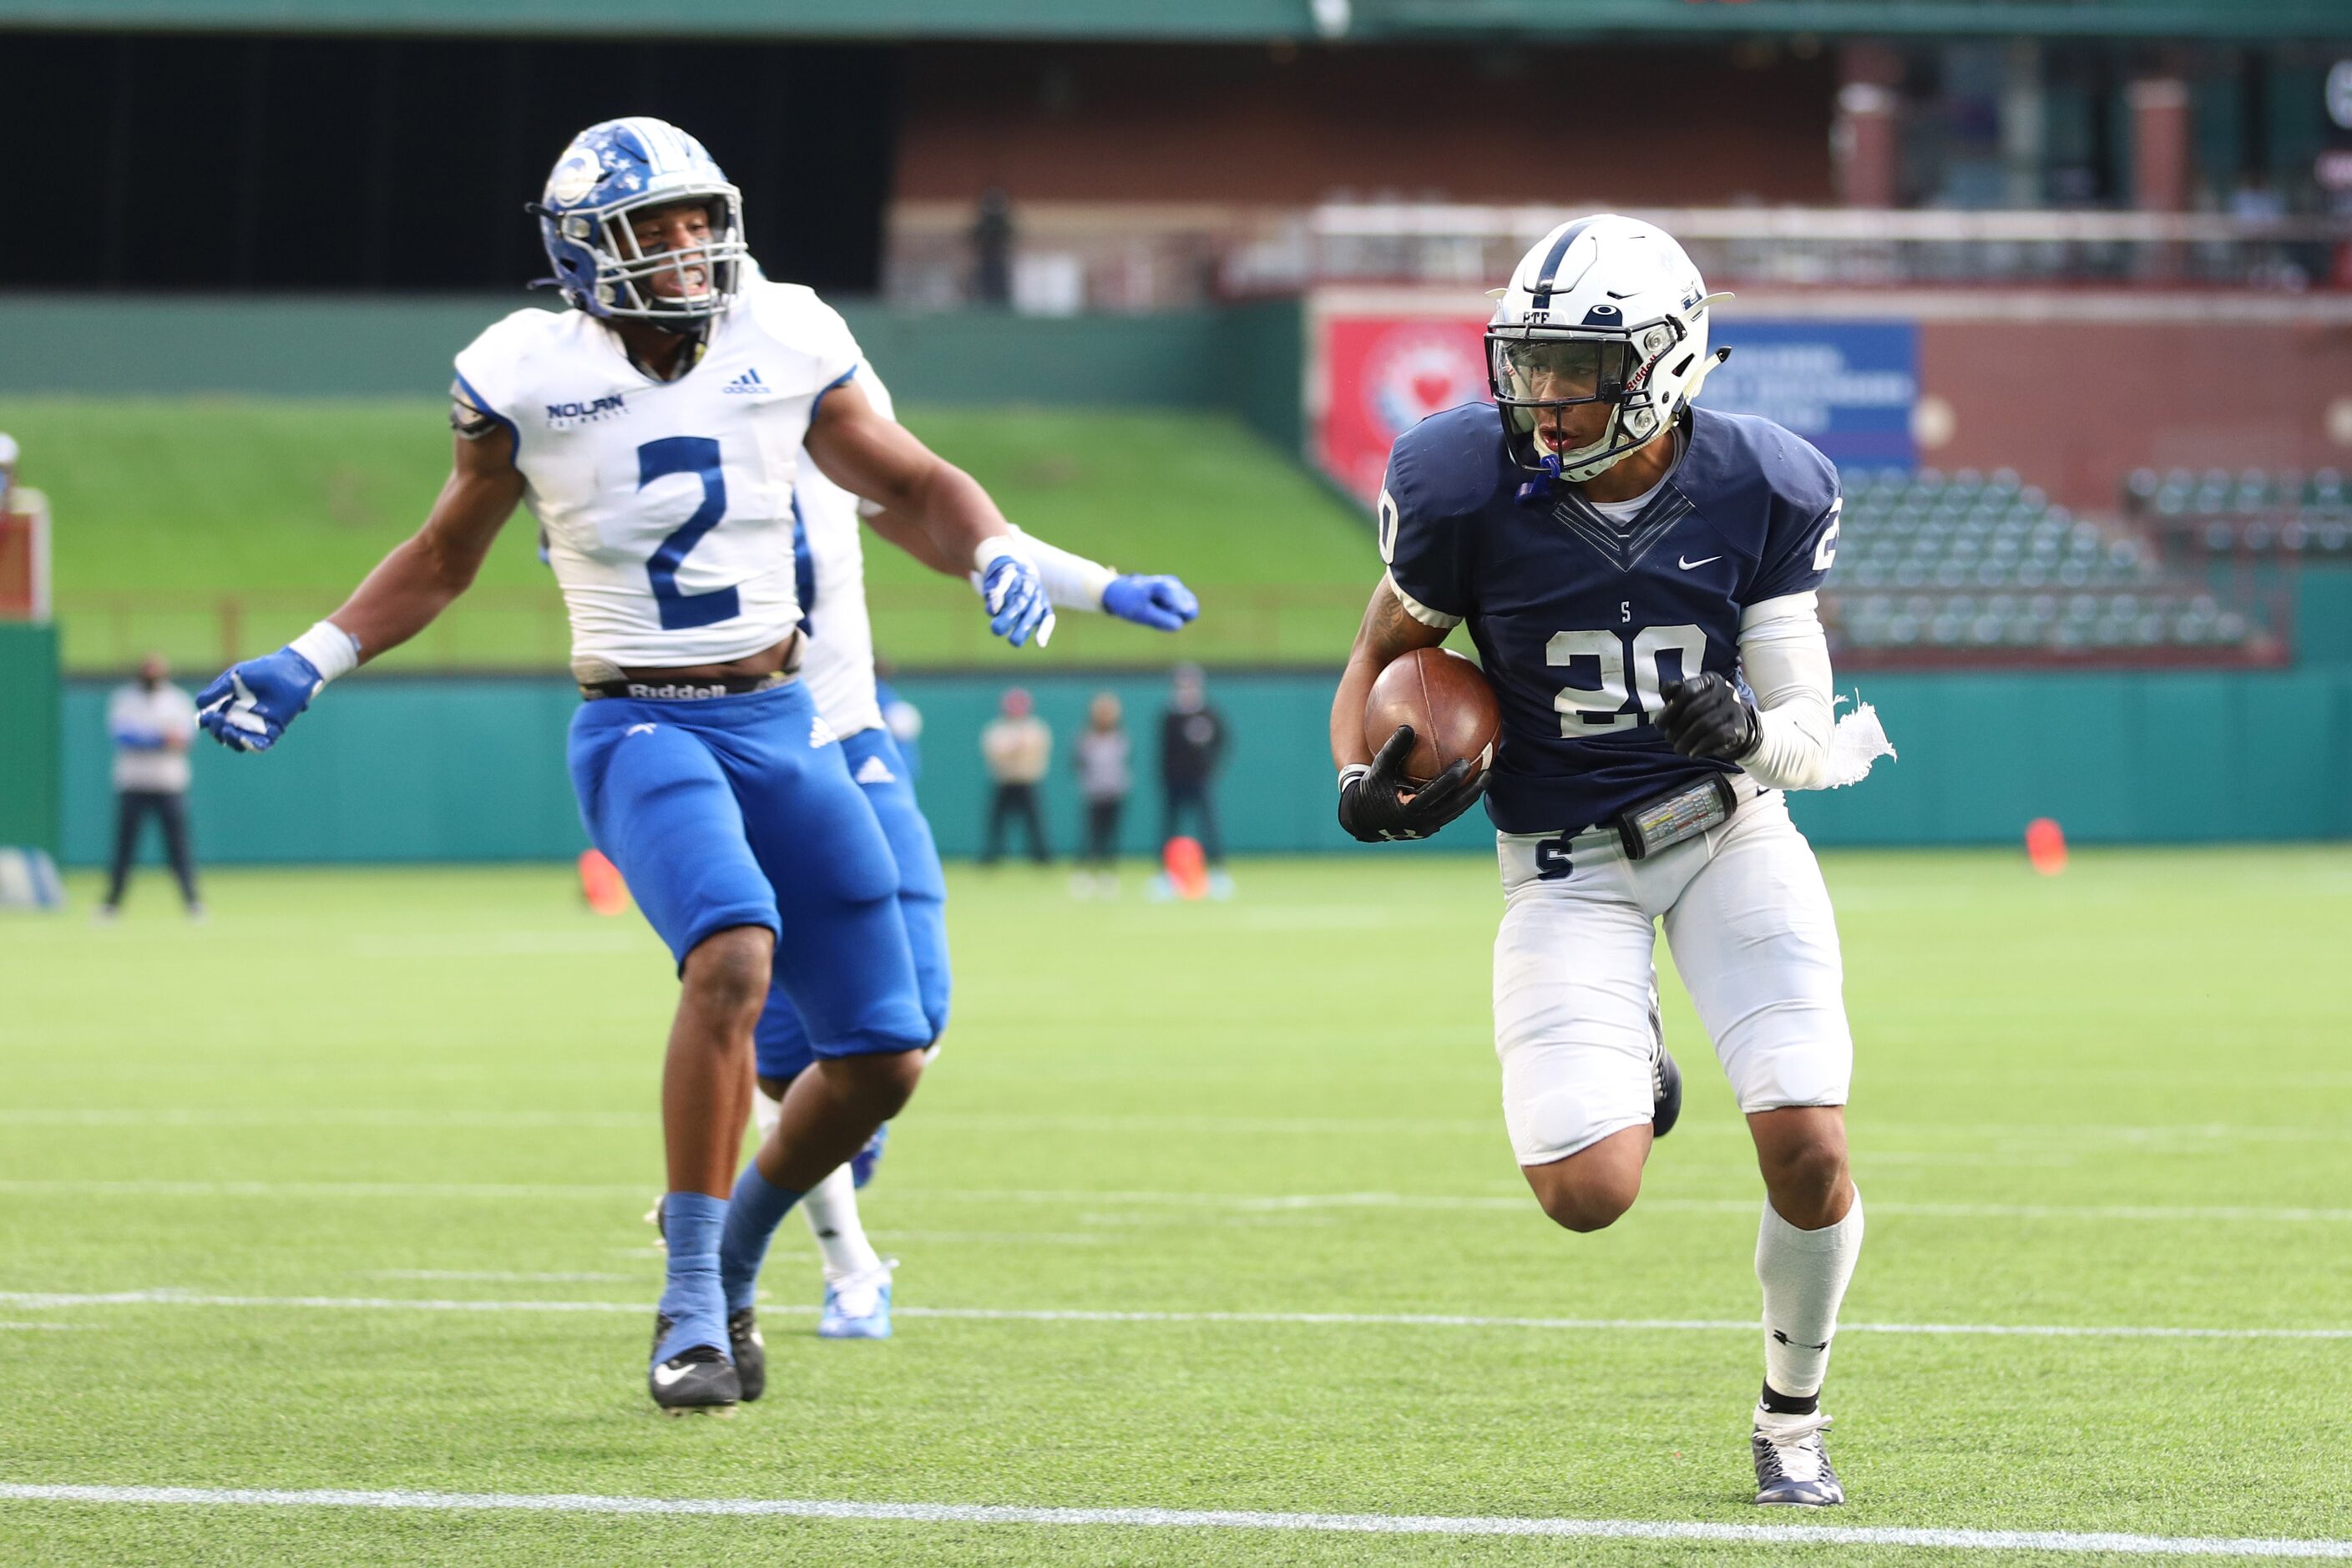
{"x":334,"y":1116}
{"x":637,"y":1192}
{"x":174,"y":1297}
{"x":503,"y":1275}
{"x":1813,"y":1535}
{"x":1120,"y":1124}
{"x":1244,"y":1203}
{"x":2172,"y":1214}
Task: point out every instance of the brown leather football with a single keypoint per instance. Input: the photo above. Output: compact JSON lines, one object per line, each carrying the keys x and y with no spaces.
{"x":1447,"y":701}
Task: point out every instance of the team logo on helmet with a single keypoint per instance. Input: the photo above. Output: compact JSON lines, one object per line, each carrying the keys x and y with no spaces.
{"x":574,"y":177}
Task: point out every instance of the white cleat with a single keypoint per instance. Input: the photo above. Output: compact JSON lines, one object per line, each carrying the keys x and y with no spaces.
{"x":1793,"y":1466}
{"x":857,"y":1306}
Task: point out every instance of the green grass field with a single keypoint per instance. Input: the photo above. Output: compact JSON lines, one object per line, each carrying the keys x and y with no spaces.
{"x":187,"y":524}
{"x":2112,"y":1103}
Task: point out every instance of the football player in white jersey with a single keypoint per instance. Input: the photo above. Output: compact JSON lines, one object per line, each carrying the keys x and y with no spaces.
{"x":655,"y":429}
{"x":839,"y":673}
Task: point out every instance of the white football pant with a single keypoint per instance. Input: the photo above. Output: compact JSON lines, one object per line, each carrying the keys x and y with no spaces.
{"x":1748,"y":922}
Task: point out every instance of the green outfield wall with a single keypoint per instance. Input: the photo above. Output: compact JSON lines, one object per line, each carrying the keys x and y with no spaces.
{"x":30,"y":736}
{"x":1245,"y":358}
{"x":391,"y":768}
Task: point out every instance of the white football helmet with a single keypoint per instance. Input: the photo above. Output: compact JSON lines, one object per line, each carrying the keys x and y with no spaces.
{"x":1602,"y":310}
{"x":612,"y":170}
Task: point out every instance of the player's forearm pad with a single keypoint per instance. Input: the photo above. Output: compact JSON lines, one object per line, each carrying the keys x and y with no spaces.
{"x":1072,"y":582}
{"x":1786,"y":657}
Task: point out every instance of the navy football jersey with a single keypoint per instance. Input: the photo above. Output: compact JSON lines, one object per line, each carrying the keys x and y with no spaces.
{"x":1580,"y":620}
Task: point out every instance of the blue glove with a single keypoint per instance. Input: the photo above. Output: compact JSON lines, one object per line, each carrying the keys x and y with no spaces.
{"x":249,"y":706}
{"x":1163,"y":604}
{"x":1015,"y":596}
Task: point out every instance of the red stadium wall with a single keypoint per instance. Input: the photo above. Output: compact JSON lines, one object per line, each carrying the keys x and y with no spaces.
{"x":2074,"y":406}
{"x":1289,"y":126}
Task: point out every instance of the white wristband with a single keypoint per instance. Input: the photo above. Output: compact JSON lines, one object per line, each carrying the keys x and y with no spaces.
{"x":1351,"y":773}
{"x":1072,"y":582}
{"x":332,"y":650}
{"x":990,"y":549}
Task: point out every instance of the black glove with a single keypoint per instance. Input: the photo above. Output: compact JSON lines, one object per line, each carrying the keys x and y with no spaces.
{"x":1707,"y":717}
{"x":1379,"y":802}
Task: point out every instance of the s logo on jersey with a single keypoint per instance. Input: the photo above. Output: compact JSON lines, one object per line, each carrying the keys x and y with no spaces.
{"x":565,"y":416}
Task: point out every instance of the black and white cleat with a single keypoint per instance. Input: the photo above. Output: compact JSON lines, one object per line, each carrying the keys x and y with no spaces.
{"x":1665,"y":1090}
{"x":751,"y":1353}
{"x":1792,"y":1466}
{"x":697,"y":1381}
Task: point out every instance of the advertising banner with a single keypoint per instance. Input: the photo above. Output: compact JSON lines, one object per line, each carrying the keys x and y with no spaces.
{"x":1846,"y":387}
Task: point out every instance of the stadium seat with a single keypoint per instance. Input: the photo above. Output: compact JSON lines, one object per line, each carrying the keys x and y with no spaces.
{"x":1967,"y":561}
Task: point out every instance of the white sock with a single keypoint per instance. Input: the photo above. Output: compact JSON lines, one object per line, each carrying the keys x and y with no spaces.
{"x":831,"y":1209}
{"x":1804,"y":1275}
{"x":767,"y":1110}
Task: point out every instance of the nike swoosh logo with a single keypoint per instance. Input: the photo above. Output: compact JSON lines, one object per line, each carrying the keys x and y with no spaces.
{"x":666,"y":1375}
{"x":1686,"y":565}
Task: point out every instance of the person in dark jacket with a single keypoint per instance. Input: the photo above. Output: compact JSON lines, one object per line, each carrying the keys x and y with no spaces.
{"x":1191,"y":745}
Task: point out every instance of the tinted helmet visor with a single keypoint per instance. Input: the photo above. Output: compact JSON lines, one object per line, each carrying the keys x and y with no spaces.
{"x":1552,"y":371}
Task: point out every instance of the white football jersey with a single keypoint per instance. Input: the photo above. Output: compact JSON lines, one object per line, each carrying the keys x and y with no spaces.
{"x":837,"y":663}
{"x":666,"y":505}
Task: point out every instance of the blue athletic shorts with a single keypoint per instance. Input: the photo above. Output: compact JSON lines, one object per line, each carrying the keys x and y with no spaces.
{"x":880,"y":771}
{"x":739,"y":811}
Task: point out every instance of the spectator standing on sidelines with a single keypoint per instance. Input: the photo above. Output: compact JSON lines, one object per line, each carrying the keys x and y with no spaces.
{"x":902,"y":718}
{"x":152,"y":721}
{"x":1103,"y":755}
{"x":1017,"y":746}
{"x":1191,"y":744}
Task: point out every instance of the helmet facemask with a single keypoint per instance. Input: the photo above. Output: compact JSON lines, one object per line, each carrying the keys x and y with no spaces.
{"x":625,"y":273}
{"x":1531,"y":369}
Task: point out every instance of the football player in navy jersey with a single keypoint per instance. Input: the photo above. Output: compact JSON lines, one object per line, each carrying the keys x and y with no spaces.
{"x":1639,"y":577}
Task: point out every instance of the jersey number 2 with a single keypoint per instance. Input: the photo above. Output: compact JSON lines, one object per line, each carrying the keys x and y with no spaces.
{"x":1597,"y":708}
{"x":697,"y":456}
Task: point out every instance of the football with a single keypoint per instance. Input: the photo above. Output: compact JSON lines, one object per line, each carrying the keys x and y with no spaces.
{"x":1447,"y":701}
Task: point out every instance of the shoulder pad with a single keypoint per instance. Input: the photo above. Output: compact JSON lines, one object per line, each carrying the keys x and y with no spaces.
{"x":1451,"y":463}
{"x":1734,"y":454}
{"x":787,"y":311}
{"x":795,"y":319}
{"x":506,"y":362}
{"x":524,"y":331}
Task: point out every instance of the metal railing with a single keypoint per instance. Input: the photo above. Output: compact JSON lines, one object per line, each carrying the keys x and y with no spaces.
{"x":1158,"y":255}
{"x":1848,"y":247}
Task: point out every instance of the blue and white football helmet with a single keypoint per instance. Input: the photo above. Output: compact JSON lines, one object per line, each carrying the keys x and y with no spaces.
{"x":1601,"y":310}
{"x":613,"y":170}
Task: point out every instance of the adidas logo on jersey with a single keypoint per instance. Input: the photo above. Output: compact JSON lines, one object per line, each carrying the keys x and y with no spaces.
{"x":874,"y":770}
{"x":749,"y":385}
{"x":820,"y":733}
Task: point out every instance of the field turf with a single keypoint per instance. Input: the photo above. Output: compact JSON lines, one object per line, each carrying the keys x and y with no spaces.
{"x":168,"y":510}
{"x":2111,"y":1102}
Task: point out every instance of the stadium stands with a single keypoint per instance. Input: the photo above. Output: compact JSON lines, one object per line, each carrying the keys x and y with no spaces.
{"x":2253,"y":512}
{"x":1969,"y":565}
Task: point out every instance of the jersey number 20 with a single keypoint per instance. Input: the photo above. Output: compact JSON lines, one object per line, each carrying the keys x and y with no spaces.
{"x":697,"y":456}
{"x":1598,"y":707}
